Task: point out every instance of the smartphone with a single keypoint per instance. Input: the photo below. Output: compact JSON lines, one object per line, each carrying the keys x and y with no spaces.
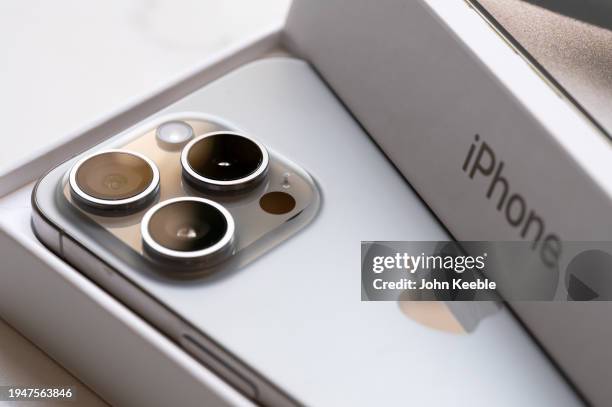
{"x":232,"y":219}
{"x":566,"y":42}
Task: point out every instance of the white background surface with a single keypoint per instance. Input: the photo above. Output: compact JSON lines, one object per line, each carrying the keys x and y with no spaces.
{"x":66,"y":63}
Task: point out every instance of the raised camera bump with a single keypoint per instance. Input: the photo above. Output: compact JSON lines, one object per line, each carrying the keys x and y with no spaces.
{"x":224,"y":161}
{"x":114,"y":182}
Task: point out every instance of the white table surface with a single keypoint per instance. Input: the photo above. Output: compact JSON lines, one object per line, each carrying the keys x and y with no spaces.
{"x":65,"y":63}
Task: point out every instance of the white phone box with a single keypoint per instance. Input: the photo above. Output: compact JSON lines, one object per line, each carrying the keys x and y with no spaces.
{"x":423,"y":78}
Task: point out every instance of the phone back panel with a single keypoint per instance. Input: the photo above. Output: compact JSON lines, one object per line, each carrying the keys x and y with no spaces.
{"x":295,"y":314}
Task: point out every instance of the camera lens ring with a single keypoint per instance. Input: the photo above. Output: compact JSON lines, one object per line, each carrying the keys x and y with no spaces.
{"x":199,"y":180}
{"x":134,"y":202}
{"x":212,"y":254}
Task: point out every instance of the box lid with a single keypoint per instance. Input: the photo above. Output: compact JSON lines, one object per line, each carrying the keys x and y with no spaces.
{"x":482,"y":137}
{"x":424,"y":77}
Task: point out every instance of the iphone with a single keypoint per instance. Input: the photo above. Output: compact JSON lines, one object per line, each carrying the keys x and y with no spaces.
{"x":232,"y":219}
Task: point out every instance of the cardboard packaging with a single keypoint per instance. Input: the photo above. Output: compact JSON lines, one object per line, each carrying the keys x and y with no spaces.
{"x":429,"y":80}
{"x":423,"y":77}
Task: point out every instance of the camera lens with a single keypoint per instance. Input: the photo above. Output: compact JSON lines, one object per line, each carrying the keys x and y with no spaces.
{"x":189,"y":229}
{"x":224,"y":161}
{"x":114,"y":180}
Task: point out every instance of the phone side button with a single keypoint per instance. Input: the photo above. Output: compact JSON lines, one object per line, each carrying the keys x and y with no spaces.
{"x":218,"y":367}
